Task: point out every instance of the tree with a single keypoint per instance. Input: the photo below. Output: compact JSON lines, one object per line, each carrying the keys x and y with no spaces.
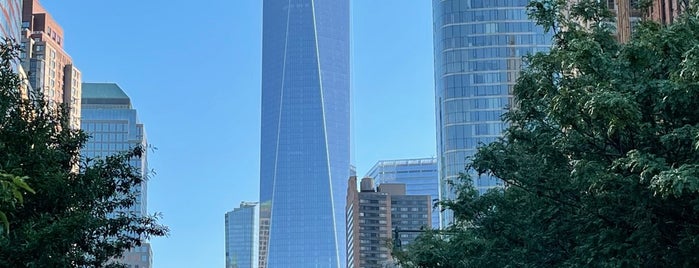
{"x":11,"y":186}
{"x":600,"y":159}
{"x":76,"y":212}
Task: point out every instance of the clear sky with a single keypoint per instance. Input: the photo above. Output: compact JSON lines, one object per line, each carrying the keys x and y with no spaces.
{"x":193,"y":68}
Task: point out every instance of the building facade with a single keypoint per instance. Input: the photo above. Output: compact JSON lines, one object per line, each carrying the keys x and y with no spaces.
{"x":11,"y":19}
{"x":478,"y":49}
{"x":372,"y":216}
{"x":420,"y":177}
{"x":628,"y":13}
{"x":265,"y":217}
{"x":50,"y":68}
{"x":10,"y":28}
{"x":242,"y":236}
{"x":666,"y":11}
{"x":305,"y":136}
{"x":113,"y":125}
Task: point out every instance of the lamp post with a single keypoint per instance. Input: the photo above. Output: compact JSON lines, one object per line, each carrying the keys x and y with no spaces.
{"x":397,"y":243}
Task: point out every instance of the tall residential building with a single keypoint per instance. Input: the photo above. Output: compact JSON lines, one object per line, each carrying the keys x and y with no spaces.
{"x":113,"y":125}
{"x":242,"y":236}
{"x":372,"y":216}
{"x":420,"y":177}
{"x":50,"y":69}
{"x":305,"y":137}
{"x":478,"y":49}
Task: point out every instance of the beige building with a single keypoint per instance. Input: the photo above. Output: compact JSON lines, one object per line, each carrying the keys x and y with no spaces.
{"x":373,"y":213}
{"x":50,"y":69}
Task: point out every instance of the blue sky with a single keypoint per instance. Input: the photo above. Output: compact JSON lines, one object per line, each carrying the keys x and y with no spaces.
{"x":192,"y":69}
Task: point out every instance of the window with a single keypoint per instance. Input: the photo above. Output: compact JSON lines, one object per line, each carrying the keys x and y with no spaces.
{"x":491,"y":28}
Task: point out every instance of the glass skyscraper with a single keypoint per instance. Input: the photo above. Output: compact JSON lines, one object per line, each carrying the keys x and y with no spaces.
{"x":11,"y":19}
{"x":242,"y":236}
{"x":478,"y":49}
{"x":113,"y":125}
{"x":305,"y":137}
{"x":419,"y":176}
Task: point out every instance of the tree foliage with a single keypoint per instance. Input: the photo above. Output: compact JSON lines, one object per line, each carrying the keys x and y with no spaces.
{"x":74,"y":212}
{"x":600,"y":159}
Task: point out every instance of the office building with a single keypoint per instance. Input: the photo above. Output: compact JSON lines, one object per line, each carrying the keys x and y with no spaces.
{"x":113,"y":125}
{"x":50,"y":68}
{"x":478,"y":49}
{"x":373,"y":214}
{"x":419,"y":176}
{"x":305,"y":136}
{"x":242,"y":236}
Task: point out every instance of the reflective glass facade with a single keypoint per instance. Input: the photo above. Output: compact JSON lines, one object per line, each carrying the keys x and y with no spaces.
{"x":478,"y":49}
{"x":10,"y":27}
{"x":113,"y":125}
{"x":305,"y":137}
{"x":11,"y":19}
{"x":242,"y":236}
{"x":419,"y":176}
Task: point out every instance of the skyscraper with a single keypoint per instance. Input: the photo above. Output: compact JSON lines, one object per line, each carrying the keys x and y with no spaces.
{"x":305,"y":137}
{"x":420,"y":177}
{"x":478,"y":49}
{"x":11,"y":19}
{"x":50,"y":68}
{"x":10,"y":27}
{"x":243,"y":236}
{"x":113,"y":126}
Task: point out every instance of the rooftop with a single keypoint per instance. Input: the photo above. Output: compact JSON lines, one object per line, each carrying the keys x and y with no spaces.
{"x":103,"y":91}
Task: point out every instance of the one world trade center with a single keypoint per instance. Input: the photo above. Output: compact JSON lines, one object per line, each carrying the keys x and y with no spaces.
{"x":305,"y":135}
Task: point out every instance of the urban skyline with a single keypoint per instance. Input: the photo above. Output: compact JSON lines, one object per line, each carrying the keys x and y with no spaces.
{"x":160,"y":94}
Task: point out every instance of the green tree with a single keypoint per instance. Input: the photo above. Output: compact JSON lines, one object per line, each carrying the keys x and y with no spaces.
{"x":600,"y":159}
{"x":12,"y":187}
{"x":77,"y":215}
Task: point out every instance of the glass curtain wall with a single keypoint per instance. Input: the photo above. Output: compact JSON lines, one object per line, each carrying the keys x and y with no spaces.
{"x":478,"y":49}
{"x":305,"y":136}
